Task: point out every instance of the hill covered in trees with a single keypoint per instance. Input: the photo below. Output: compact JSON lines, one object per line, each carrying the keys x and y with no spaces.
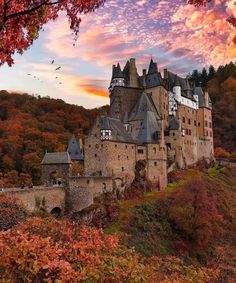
{"x":30,"y":126}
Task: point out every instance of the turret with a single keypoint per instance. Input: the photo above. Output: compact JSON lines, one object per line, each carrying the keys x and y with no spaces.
{"x":117,"y":77}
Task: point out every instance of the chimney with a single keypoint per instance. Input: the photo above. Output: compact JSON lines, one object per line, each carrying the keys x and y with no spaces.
{"x":165,"y":74}
{"x":207,"y":99}
{"x":132,"y":61}
{"x":144,"y":72}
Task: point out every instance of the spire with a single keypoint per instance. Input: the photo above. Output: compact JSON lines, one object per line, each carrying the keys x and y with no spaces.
{"x":152,"y":67}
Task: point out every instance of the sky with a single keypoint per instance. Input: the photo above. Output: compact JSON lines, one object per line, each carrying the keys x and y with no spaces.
{"x":177,"y":36}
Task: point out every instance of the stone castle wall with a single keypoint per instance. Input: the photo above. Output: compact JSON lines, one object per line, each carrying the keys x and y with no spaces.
{"x":123,"y":100}
{"x":34,"y":198}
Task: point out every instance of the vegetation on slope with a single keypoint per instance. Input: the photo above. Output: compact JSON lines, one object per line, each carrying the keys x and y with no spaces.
{"x":30,"y":126}
{"x":49,"y":250}
{"x":195,"y":221}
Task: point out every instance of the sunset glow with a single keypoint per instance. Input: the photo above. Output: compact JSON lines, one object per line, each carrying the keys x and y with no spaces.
{"x":178,"y":36}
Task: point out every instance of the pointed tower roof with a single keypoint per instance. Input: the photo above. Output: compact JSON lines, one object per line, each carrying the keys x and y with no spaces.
{"x":143,"y":105}
{"x":74,"y":149}
{"x":150,"y":130}
{"x":152,"y":67}
{"x":116,"y":72}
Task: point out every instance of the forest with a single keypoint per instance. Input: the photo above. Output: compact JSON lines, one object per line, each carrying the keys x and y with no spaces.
{"x":32,"y":125}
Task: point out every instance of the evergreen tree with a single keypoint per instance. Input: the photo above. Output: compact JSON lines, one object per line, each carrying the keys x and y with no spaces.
{"x":203,"y":77}
{"x":211,"y":73}
{"x":195,"y":77}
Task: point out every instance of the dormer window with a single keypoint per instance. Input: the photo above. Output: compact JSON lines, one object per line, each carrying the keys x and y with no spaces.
{"x":105,"y":134}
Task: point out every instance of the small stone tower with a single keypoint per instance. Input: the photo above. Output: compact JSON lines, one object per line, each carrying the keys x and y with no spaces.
{"x":56,"y":169}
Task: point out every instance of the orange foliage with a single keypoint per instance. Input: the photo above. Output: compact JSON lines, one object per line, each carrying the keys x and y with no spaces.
{"x":49,"y":250}
{"x":221,"y":152}
{"x":30,"y":126}
{"x":10,"y":212}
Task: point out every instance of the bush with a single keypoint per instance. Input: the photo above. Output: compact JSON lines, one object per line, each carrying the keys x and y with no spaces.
{"x":10,"y":212}
{"x":49,"y":250}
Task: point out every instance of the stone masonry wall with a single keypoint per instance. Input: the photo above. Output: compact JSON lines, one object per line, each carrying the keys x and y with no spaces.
{"x":63,"y":169}
{"x":33,"y":198}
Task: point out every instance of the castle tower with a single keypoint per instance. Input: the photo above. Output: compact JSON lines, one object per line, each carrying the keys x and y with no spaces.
{"x":117,"y":77}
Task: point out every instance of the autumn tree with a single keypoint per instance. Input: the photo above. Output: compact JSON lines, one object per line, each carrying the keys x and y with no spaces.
{"x":21,"y":21}
{"x":10,"y":212}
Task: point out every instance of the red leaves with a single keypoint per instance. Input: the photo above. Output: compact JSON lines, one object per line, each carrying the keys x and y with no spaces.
{"x":10,"y":212}
{"x":21,"y":21}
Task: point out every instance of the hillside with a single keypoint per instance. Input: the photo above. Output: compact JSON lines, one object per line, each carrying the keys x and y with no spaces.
{"x":30,"y":126}
{"x":194,"y":219}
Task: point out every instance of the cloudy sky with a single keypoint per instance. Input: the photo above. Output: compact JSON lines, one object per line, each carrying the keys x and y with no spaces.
{"x":177,"y":36}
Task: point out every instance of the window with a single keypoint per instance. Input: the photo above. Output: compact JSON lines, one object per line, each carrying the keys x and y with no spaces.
{"x":140,"y":151}
{"x":206,"y":123}
{"x":155,"y":163}
{"x":186,"y":131}
{"x":189,"y":132}
{"x":195,"y":123}
{"x":189,"y":121}
{"x":122,"y":168}
{"x":95,"y":155}
{"x":115,"y":145}
{"x":89,"y":145}
{"x":183,"y":119}
{"x":154,"y":150}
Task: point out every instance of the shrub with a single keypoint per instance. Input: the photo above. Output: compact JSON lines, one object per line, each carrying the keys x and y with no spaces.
{"x":10,"y":212}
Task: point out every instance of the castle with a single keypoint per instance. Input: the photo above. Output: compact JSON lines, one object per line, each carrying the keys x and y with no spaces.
{"x":163,"y":121}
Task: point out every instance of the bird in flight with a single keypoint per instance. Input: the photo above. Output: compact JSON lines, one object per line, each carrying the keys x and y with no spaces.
{"x":58,"y":68}
{"x":60,"y":83}
{"x":52,"y":61}
{"x":28,"y":74}
{"x":56,"y":77}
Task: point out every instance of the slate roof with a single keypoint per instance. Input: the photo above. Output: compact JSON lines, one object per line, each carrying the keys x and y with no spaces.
{"x":126,"y":118}
{"x":116,"y":72}
{"x":174,"y":123}
{"x":143,"y":105}
{"x":149,"y":132}
{"x":175,"y":80}
{"x":152,"y":67}
{"x":74,"y":150}
{"x":201,"y":97}
{"x":118,"y":131}
{"x":56,"y":158}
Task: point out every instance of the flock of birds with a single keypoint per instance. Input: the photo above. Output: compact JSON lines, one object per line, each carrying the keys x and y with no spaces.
{"x":37,"y":78}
